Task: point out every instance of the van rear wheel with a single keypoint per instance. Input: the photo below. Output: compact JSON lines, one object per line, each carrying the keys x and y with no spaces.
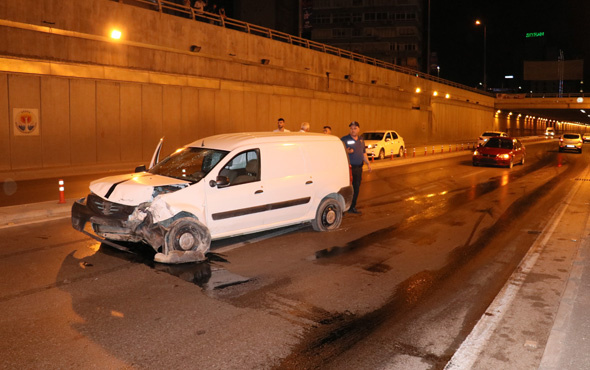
{"x":328,"y":216}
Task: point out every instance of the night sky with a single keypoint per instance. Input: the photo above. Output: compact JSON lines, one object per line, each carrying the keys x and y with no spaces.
{"x":459,"y":42}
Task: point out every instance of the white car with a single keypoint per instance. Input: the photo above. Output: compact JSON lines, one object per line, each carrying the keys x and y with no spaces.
{"x":217,"y":187}
{"x":549,"y":132}
{"x":483,"y":138}
{"x":382,"y":144}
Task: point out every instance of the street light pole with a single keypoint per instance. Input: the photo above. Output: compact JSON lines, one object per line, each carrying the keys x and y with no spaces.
{"x":428,"y":43}
{"x":478,"y":23}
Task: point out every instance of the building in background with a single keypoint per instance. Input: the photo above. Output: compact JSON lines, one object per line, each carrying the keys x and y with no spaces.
{"x":278,"y":15}
{"x":547,"y":69}
{"x":388,"y":30}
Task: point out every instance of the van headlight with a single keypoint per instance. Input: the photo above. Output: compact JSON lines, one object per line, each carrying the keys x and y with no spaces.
{"x":504,"y":156}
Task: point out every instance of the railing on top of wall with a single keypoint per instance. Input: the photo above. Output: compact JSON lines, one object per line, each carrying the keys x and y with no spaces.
{"x":169,"y":7}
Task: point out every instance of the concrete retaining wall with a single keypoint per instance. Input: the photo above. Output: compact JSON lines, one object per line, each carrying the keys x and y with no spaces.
{"x":105,"y":104}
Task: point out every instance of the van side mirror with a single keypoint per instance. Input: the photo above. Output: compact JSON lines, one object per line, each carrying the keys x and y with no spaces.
{"x":220,"y":182}
{"x":140,"y":168}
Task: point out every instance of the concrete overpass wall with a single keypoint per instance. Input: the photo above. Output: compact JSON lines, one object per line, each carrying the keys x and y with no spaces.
{"x":104,"y":104}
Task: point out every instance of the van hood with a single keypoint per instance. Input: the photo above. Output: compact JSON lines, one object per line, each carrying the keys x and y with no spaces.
{"x":136,"y":188}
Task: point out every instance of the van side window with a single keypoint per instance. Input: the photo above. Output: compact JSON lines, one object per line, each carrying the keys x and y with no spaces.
{"x":243,"y":168}
{"x":394,"y":135}
{"x":388,"y":136}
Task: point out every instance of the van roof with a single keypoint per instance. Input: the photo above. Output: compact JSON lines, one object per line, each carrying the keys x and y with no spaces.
{"x":235,"y":140}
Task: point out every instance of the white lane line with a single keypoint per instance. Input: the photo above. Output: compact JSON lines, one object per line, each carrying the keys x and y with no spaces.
{"x":471,"y":174}
{"x":470,"y":349}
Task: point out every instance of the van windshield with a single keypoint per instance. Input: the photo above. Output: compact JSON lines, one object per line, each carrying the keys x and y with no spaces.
{"x":190,"y":164}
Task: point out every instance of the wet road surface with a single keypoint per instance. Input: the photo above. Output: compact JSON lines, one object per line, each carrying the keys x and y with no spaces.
{"x":399,"y":286}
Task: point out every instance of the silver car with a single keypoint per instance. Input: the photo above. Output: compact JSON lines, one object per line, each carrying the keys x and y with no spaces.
{"x":571,"y":141}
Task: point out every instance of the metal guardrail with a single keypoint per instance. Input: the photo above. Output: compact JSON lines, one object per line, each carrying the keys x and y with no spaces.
{"x":169,"y":7}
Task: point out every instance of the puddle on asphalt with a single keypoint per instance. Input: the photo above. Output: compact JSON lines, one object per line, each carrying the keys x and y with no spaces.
{"x":206,"y":274}
{"x":362,"y":242}
{"x":331,"y":252}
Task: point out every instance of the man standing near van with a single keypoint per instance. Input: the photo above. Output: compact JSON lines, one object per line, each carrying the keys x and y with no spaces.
{"x":355,"y":147}
{"x":281,"y":126}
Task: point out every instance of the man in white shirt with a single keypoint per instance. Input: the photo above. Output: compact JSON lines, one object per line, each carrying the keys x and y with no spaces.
{"x":281,"y":126}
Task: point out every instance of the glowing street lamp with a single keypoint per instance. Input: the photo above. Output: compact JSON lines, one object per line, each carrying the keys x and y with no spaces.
{"x":116,"y":34}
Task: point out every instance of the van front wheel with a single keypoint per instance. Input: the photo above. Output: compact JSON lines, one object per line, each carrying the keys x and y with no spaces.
{"x":328,"y":216}
{"x":188,"y":234}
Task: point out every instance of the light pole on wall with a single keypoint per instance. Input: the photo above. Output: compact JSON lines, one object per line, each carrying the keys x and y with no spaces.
{"x":479,"y":23}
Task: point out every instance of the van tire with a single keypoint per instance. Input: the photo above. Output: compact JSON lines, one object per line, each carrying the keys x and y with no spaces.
{"x":401,"y":152}
{"x":329,"y":215}
{"x":188,"y":234}
{"x":382,"y":154}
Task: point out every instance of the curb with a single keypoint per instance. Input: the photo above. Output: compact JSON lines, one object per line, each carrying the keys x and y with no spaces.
{"x":26,"y":213}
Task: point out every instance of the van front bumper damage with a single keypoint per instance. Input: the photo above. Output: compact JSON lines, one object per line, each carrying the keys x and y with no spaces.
{"x":113,"y":222}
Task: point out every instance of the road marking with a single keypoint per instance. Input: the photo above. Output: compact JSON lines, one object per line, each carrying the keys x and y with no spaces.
{"x":472,"y":174}
{"x":470,"y":349}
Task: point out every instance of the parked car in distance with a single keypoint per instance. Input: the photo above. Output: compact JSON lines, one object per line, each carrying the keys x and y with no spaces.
{"x":586,"y":137}
{"x":500,"y":151}
{"x":483,"y":138}
{"x":570,"y":141}
{"x":383,"y":143}
{"x":220,"y":186}
{"x":549,"y":132}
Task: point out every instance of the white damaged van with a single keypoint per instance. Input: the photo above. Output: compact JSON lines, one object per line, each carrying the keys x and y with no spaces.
{"x":220,"y":186}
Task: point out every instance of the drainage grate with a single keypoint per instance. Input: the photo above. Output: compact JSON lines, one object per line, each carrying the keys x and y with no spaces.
{"x":578,"y":179}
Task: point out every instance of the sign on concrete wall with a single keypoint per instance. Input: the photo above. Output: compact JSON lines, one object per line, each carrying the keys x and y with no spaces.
{"x":26,"y":121}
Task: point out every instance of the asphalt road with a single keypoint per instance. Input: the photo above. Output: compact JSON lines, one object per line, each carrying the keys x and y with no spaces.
{"x":400,"y":286}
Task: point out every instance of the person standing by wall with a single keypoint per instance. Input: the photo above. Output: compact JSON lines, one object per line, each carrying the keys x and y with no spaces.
{"x":281,"y":126}
{"x":305,"y":127}
{"x":327,"y":130}
{"x":355,"y":147}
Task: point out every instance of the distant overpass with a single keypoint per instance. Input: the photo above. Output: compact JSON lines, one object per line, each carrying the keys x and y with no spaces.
{"x":573,"y":108}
